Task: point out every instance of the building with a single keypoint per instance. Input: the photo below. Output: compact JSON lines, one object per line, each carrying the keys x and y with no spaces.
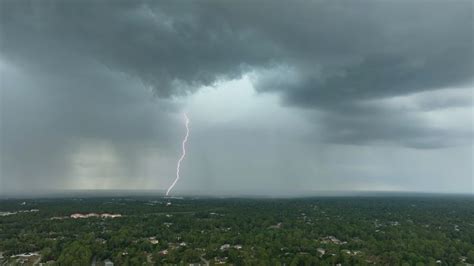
{"x":225,"y":247}
{"x":321,"y":251}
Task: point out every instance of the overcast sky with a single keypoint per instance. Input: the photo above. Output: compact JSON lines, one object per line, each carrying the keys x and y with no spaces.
{"x":283,"y":97}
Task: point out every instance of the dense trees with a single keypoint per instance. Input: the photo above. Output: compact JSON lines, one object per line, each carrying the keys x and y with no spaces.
{"x":75,"y":254}
{"x":313,"y":231}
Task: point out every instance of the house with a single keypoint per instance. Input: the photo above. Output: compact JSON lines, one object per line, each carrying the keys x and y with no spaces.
{"x":110,"y":215}
{"x":163,"y":252}
{"x":77,"y":215}
{"x":7,"y":213}
{"x":58,"y":218}
{"x":89,"y":215}
{"x":225,"y":247}
{"x":321,"y":251}
{"x":333,"y":240}
{"x":220,"y":260}
{"x":153,"y":240}
{"x":277,"y":226}
{"x":26,"y":255}
{"x":394,"y":223}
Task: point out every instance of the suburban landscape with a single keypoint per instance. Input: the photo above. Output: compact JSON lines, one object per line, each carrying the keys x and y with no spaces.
{"x":365,"y":230}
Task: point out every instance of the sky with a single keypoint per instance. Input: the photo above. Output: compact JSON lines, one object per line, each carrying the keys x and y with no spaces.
{"x":283,"y":98}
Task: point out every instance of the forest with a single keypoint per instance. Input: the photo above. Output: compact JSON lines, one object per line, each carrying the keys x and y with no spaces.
{"x":415,"y":230}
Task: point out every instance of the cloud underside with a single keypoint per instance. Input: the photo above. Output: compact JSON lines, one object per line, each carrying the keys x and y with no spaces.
{"x":325,"y":55}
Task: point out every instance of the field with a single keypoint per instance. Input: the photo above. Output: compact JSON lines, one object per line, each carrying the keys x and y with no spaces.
{"x":395,"y":230}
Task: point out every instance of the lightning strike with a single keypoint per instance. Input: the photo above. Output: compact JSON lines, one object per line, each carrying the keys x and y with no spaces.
{"x":185,"y":140}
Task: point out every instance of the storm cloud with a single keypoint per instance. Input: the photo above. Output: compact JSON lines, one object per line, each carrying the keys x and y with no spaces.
{"x":114,"y":75}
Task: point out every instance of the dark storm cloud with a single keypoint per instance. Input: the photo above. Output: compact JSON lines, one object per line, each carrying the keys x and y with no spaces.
{"x":383,"y":76}
{"x":79,"y":75}
{"x":164,"y":48}
{"x":325,"y":55}
{"x":382,"y":126}
{"x":336,"y":53}
{"x":341,"y":50}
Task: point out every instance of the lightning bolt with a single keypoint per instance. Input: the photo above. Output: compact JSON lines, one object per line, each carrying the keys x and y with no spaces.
{"x":186,"y":119}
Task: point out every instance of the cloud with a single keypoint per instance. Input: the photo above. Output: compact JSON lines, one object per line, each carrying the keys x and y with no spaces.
{"x":81,"y":74}
{"x":362,"y":49}
{"x":166,"y":51}
{"x":324,"y":55}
